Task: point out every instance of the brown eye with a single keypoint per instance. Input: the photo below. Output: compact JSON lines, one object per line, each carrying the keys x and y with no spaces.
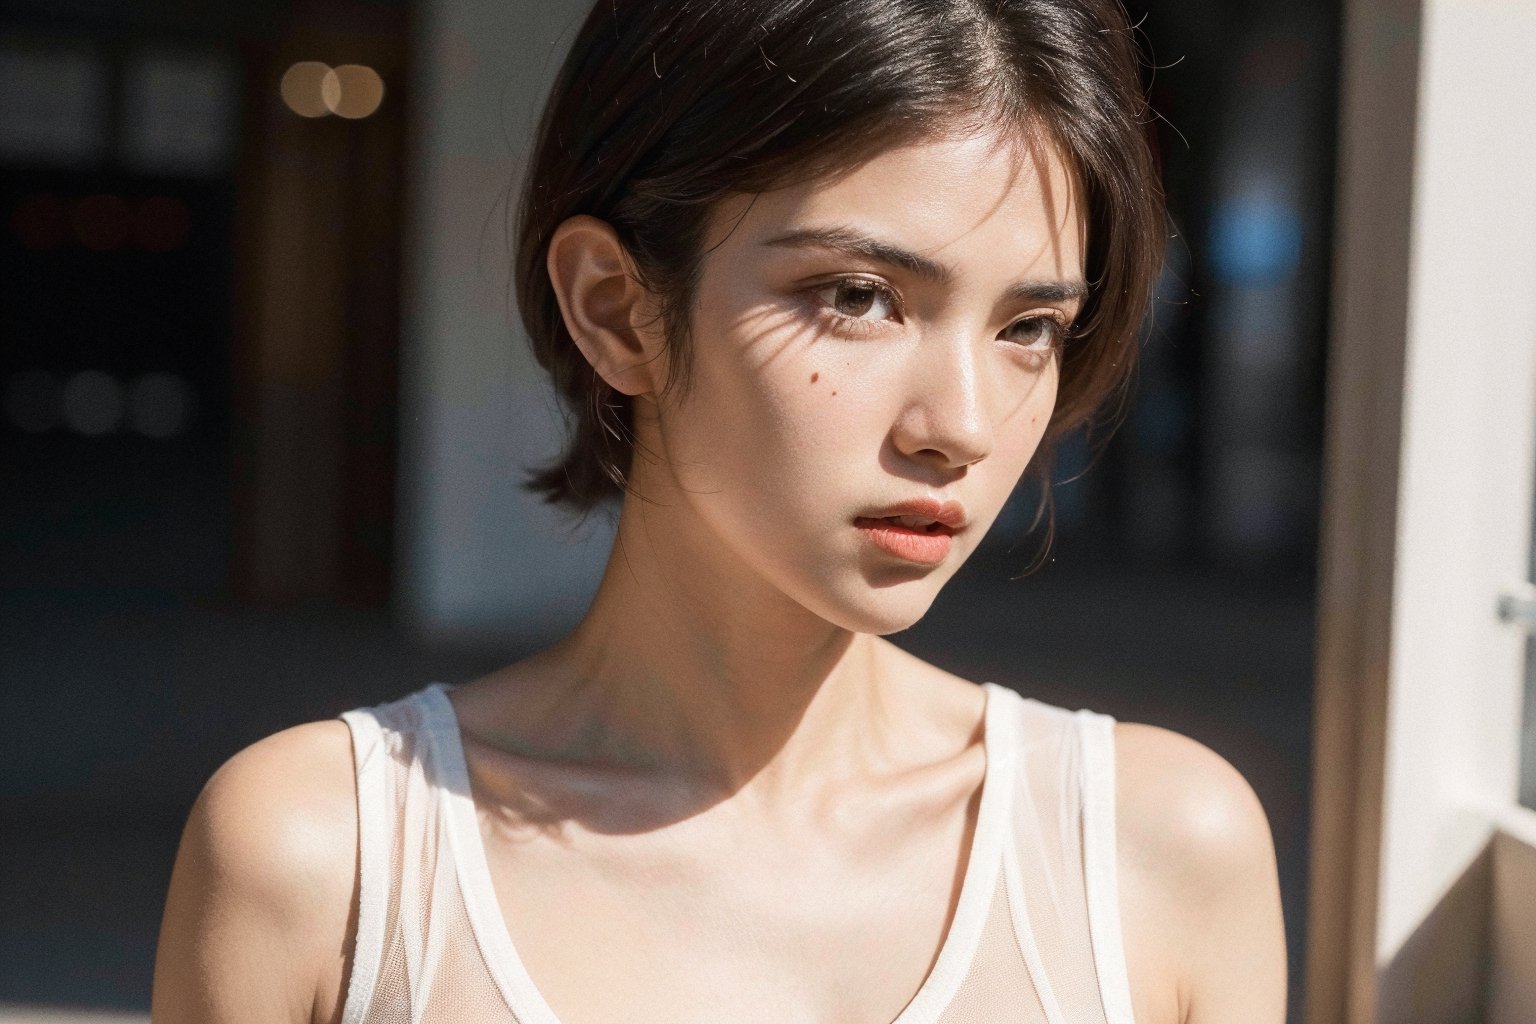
{"x":859,"y":300}
{"x":1042,"y":332}
{"x":854,"y":299}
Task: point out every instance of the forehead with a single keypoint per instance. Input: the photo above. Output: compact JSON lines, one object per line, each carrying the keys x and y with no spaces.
{"x":1010,"y":203}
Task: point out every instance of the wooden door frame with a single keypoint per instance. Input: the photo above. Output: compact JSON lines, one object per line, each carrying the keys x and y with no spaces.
{"x":318,"y":313}
{"x":1380,"y":69}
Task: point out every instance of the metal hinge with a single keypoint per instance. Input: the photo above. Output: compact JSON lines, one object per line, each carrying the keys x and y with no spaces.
{"x":1517,"y":607}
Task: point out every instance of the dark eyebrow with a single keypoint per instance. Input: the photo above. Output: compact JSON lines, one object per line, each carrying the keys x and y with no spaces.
{"x":853,"y":243}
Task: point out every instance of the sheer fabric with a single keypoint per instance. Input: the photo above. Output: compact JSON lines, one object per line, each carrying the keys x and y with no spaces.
{"x":1035,"y":939}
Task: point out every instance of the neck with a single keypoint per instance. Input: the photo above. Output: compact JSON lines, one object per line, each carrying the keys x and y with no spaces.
{"x":690,"y":664}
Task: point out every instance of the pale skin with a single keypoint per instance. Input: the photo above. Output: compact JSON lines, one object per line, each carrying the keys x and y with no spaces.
{"x":725,"y":765}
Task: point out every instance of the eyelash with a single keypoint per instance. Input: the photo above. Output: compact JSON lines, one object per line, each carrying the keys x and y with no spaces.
{"x":859,"y":327}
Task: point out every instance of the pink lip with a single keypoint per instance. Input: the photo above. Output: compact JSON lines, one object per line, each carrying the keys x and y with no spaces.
{"x":950,"y":513}
{"x":926,"y":547}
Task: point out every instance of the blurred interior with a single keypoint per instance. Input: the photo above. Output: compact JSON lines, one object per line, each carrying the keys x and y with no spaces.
{"x":265,"y":408}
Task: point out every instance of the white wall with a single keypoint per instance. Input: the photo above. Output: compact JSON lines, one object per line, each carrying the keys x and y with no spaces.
{"x":477,"y":554}
{"x":1464,"y":508}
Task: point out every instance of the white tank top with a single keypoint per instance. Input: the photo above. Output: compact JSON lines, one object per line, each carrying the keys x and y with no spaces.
{"x":1035,"y":938}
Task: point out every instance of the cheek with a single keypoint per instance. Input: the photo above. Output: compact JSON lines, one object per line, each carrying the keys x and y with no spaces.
{"x":751,"y":427}
{"x":1019,"y":433}
{"x":811,"y":421}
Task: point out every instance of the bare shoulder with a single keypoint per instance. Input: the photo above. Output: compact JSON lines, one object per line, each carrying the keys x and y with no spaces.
{"x":260,"y":912}
{"x":279,"y":818}
{"x":1187,"y":807}
{"x":1200,"y":893}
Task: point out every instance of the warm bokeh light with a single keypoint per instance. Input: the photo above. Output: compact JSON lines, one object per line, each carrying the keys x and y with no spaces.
{"x":160,"y":404}
{"x":93,"y":403}
{"x":303,"y":90}
{"x":162,"y":223}
{"x":102,"y":222}
{"x":352,"y":90}
{"x":31,"y":401}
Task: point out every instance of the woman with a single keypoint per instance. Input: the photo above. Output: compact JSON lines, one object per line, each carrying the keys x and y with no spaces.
{"x":818,"y":280}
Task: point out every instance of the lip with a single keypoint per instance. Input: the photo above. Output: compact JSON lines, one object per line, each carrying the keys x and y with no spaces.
{"x":926,"y":546}
{"x":950,"y":513}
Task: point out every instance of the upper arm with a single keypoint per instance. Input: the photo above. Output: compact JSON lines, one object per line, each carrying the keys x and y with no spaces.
{"x":261,"y":904}
{"x":1201,"y":888}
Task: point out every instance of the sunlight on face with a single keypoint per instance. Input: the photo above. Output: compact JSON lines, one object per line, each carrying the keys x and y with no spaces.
{"x":887,"y":336}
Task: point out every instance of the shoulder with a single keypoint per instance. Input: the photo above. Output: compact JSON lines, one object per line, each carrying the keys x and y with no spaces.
{"x":1199,"y":879}
{"x":261,"y":901}
{"x":280,"y":816}
{"x":1185,"y":804}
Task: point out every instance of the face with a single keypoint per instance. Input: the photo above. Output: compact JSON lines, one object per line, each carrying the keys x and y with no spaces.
{"x":887,"y":338}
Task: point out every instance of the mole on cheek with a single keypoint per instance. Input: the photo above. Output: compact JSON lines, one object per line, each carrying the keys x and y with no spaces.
{"x":815,"y":377}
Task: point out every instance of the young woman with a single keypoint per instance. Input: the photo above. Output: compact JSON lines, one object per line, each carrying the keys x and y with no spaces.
{"x":818,"y":280}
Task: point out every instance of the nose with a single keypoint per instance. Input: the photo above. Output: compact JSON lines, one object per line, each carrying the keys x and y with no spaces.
{"x":944,"y":419}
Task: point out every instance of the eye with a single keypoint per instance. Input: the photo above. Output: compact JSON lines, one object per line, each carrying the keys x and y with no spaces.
{"x":855,"y":298}
{"x":1042,"y":333}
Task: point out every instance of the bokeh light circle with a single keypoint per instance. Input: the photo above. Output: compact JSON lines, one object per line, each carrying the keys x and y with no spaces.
{"x":160,"y":405}
{"x":102,"y":222}
{"x":1255,"y":240}
{"x":40,"y":222}
{"x":352,"y":90}
{"x":31,"y":401}
{"x":303,"y":90}
{"x":162,"y":224}
{"x":93,"y":403}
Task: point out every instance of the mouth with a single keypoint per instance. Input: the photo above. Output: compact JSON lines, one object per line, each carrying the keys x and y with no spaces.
{"x":910,"y":538}
{"x":913,"y":524}
{"x":923,"y":513}
{"x":919,"y":524}
{"x":918,"y":530}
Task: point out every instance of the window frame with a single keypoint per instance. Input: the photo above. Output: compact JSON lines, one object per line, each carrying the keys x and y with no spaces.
{"x":1423,"y":862}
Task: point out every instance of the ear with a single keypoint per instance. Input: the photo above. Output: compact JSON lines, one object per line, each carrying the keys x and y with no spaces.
{"x":609,"y":315}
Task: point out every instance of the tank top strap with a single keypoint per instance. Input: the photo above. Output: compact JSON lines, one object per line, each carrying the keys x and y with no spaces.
{"x":373,"y":868}
{"x":1064,"y":897}
{"x":1096,"y":734}
{"x":416,"y":958}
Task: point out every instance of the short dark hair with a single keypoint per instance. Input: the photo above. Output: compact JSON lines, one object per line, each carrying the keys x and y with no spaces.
{"x":664,"y":107}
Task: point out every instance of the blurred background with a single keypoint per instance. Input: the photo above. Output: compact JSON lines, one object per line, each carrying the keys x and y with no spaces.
{"x":264,"y":411}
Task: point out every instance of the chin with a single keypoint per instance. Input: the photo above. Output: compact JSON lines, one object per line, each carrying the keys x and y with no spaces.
{"x":883,"y":608}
